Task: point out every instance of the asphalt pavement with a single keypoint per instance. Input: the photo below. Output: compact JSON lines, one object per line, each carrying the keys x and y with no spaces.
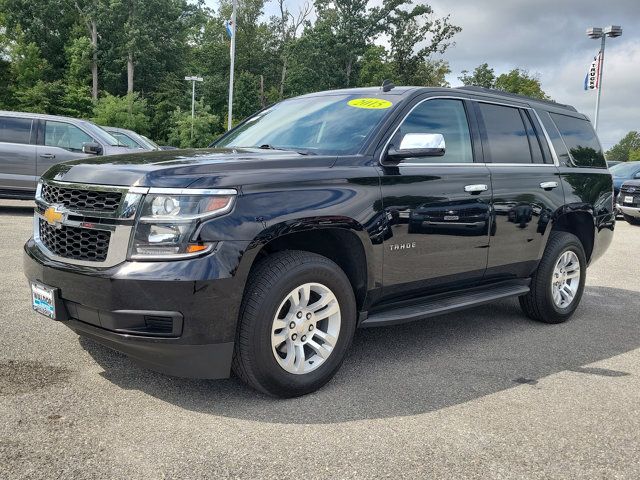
{"x":484,"y":393}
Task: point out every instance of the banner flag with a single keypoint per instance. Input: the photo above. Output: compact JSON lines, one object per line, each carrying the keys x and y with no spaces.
{"x":229,"y":26}
{"x":592,"y":80}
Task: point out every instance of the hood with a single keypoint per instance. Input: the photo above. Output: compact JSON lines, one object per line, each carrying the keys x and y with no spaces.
{"x":180,"y":168}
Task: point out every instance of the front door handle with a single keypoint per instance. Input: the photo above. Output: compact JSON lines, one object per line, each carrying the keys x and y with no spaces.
{"x":548,"y":185}
{"x":47,"y":155}
{"x":476,"y":188}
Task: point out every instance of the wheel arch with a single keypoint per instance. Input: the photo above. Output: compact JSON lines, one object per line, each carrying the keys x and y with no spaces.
{"x":579,"y":223}
{"x":342,"y":240}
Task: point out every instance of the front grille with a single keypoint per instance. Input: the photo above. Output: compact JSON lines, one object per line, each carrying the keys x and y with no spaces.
{"x":77,"y":199}
{"x":75,"y":243}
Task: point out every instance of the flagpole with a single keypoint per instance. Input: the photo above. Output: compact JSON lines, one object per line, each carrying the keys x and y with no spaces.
{"x":595,"y":120}
{"x":231,"y":68}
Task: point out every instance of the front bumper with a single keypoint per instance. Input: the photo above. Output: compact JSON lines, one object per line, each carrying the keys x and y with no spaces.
{"x":631,"y":211}
{"x":198,"y":300}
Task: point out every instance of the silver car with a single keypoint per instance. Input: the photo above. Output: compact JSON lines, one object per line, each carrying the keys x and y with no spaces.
{"x":30,"y":143}
{"x":131,"y":139}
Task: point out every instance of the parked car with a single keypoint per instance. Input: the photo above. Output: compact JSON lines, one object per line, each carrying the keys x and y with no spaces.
{"x":30,"y":143}
{"x":342,"y":209}
{"x":628,"y":202}
{"x":612,"y":163}
{"x":622,"y":172}
{"x":131,"y":139}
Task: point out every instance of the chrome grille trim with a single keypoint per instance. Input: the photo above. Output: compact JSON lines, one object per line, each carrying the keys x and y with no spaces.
{"x":118,"y":221}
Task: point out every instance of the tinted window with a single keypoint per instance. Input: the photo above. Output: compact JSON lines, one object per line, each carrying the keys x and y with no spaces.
{"x":581,"y":141}
{"x":534,"y":143}
{"x":505,"y":139}
{"x":447,"y":117}
{"x":15,"y":130}
{"x":65,"y":135}
{"x":329,"y":124}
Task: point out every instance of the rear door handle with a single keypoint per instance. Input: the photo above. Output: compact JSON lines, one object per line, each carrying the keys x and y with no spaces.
{"x":476,"y":188}
{"x":548,"y":185}
{"x":47,"y":155}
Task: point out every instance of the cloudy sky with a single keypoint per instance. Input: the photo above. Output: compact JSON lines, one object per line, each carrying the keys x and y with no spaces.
{"x":547,"y":37}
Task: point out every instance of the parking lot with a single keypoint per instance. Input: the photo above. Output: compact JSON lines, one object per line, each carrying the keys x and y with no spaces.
{"x":485,"y":393}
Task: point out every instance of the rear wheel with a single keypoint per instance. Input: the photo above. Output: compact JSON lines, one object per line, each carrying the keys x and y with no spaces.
{"x":297,"y":320}
{"x":631,"y":220}
{"x":558,"y":283}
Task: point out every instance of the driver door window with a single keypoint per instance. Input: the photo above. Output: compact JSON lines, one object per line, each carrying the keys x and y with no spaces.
{"x":64,"y":135}
{"x":447,"y":117}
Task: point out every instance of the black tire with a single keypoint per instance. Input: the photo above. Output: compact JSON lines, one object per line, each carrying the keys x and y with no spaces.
{"x":268,"y":285}
{"x":631,"y":220}
{"x":538,"y":304}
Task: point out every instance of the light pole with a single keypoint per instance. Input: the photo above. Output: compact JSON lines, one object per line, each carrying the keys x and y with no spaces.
{"x":193,"y":100}
{"x":231,"y":67}
{"x":602,"y":33}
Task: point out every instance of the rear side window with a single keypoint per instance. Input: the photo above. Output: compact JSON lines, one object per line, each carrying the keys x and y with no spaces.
{"x":15,"y":130}
{"x":65,"y":135}
{"x":505,"y":138}
{"x":581,"y":140}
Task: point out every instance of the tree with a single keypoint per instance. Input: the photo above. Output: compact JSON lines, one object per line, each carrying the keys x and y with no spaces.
{"x":206,"y":127}
{"x":288,"y":27}
{"x":407,"y":31}
{"x":626,"y":149}
{"x":129,"y":111}
{"x":482,"y":76}
{"x":519,"y":81}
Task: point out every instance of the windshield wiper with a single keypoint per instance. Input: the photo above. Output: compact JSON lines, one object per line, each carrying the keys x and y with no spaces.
{"x":267,"y":146}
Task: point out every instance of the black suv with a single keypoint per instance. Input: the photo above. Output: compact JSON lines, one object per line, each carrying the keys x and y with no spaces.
{"x":320,"y":214}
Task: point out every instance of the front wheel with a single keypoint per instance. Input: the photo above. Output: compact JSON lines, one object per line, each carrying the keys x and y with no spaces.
{"x":631,"y":220}
{"x":558,"y":283}
{"x":297,"y":320}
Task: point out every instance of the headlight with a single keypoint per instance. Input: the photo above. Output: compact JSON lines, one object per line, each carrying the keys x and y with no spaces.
{"x":169,"y":218}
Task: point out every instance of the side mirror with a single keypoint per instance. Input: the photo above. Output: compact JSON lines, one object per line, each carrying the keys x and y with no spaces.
{"x":92,"y":148}
{"x":415,"y":145}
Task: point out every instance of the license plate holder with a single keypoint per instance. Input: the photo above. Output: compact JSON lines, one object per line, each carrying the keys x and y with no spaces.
{"x":46,"y":301}
{"x":628,"y":199}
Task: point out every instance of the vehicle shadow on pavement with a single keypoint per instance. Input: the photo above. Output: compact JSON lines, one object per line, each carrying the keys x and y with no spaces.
{"x":25,"y":210}
{"x":418,"y":367}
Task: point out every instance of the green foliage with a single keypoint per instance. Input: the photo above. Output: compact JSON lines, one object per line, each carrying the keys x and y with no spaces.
{"x":518,"y":81}
{"x":521,"y":82}
{"x":627,"y":149}
{"x":48,"y":49}
{"x":128,"y":111}
{"x":206,"y":127}
{"x":482,"y":76}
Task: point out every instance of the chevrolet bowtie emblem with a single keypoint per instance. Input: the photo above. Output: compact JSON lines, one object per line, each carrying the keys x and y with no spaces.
{"x":54,"y":216}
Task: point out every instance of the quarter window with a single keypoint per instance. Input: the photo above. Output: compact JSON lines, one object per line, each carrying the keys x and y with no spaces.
{"x":444,"y":116}
{"x":581,"y":140}
{"x":505,"y":137}
{"x":15,"y":130}
{"x":65,"y":135}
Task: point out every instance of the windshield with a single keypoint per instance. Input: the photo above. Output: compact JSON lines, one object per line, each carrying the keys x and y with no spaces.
{"x":151,"y":143}
{"x":624,"y":170}
{"x":332,"y":124}
{"x":102,"y":134}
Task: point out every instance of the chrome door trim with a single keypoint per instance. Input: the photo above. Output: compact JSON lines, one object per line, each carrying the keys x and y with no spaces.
{"x":556,"y":162}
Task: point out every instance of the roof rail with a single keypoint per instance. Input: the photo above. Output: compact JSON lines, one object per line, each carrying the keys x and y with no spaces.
{"x":494,"y":91}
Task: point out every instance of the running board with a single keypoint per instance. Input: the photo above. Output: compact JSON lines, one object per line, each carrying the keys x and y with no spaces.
{"x":426,"y":307}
